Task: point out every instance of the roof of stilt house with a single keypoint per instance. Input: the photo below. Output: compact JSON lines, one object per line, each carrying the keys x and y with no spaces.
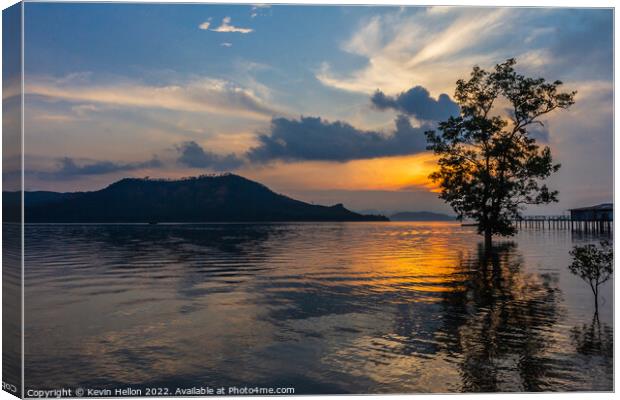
{"x":600,"y":207}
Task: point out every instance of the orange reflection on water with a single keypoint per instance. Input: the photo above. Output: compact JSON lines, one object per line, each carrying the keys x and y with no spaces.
{"x":396,"y":257}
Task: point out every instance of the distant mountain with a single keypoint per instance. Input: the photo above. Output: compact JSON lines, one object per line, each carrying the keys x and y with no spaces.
{"x":371,"y":211}
{"x":224,"y":198}
{"x":421,"y":216}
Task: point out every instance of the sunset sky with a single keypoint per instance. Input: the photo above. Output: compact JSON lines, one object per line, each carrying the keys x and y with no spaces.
{"x":286,"y":95}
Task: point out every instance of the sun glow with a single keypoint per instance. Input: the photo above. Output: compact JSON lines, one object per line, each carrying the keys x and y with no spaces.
{"x":386,"y":173}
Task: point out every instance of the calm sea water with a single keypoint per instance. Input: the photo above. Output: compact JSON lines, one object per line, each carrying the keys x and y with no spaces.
{"x":323,"y":308}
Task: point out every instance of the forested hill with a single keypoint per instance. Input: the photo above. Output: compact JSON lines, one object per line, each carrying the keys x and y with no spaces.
{"x":223,"y":198}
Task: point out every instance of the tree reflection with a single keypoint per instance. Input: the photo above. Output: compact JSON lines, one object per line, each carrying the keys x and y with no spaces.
{"x":500,"y":334}
{"x":593,"y":339}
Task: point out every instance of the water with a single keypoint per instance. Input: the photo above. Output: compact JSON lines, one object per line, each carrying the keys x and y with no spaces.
{"x":321,"y":307}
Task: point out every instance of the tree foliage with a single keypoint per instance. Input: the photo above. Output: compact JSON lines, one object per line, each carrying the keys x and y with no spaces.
{"x":594,"y":264}
{"x":490,"y":166}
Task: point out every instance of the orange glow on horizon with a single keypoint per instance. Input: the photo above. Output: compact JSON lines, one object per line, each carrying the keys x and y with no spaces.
{"x":386,"y":173}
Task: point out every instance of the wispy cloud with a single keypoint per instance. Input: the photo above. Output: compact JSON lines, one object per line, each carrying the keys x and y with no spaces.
{"x":50,"y":117}
{"x":70,"y":168}
{"x":205,"y":25}
{"x":430,"y":47}
{"x":226,"y":26}
{"x":226,"y":44}
{"x":435,"y":46}
{"x":199,"y":95}
{"x":255,"y":10}
{"x":11,"y":87}
{"x":82,"y":110}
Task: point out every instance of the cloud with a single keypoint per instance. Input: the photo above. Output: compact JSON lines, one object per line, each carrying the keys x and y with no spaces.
{"x":225,"y":26}
{"x":312,"y":138}
{"x":12,"y":88}
{"x":50,"y":117}
{"x":199,"y":95}
{"x":417,"y":102}
{"x":226,"y":44}
{"x":435,"y":46}
{"x":192,"y":155}
{"x":255,"y":10}
{"x":205,"y":25}
{"x":84,"y":109}
{"x":69,"y":168}
{"x":424,"y":45}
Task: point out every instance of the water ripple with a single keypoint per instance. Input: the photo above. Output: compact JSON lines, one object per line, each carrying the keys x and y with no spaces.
{"x":340,"y":308}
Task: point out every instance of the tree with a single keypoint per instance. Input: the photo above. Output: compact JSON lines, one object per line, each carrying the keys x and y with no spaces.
{"x":490,"y":166}
{"x":593,"y":264}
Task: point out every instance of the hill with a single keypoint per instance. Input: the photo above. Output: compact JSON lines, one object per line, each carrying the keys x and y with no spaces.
{"x":223,"y":198}
{"x":421,"y":216}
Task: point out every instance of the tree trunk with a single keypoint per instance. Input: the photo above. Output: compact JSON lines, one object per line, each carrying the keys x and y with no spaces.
{"x":488,"y":239}
{"x":596,"y":301}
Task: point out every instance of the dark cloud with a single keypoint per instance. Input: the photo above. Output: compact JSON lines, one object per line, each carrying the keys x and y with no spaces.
{"x":194,"y":156}
{"x":68,"y":167}
{"x":312,"y":138}
{"x":418,"y":103}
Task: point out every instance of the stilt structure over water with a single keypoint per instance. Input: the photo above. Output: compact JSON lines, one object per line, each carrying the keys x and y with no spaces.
{"x":593,"y":219}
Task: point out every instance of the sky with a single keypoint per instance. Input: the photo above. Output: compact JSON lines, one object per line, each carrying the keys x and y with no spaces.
{"x":327,"y":104}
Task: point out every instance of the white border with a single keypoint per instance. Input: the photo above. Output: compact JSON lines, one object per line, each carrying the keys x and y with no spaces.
{"x":487,"y":3}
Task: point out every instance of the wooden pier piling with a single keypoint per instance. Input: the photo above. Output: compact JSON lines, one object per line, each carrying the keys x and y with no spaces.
{"x":565,"y":222}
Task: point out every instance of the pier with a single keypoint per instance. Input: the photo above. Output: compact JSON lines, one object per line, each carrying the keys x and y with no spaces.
{"x":565,"y":222}
{"x":594,"y":219}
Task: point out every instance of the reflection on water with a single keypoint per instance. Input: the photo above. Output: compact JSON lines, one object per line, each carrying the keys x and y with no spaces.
{"x":506,"y":324}
{"x":594,"y":338}
{"x":325,"y":308}
{"x":11,"y":307}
